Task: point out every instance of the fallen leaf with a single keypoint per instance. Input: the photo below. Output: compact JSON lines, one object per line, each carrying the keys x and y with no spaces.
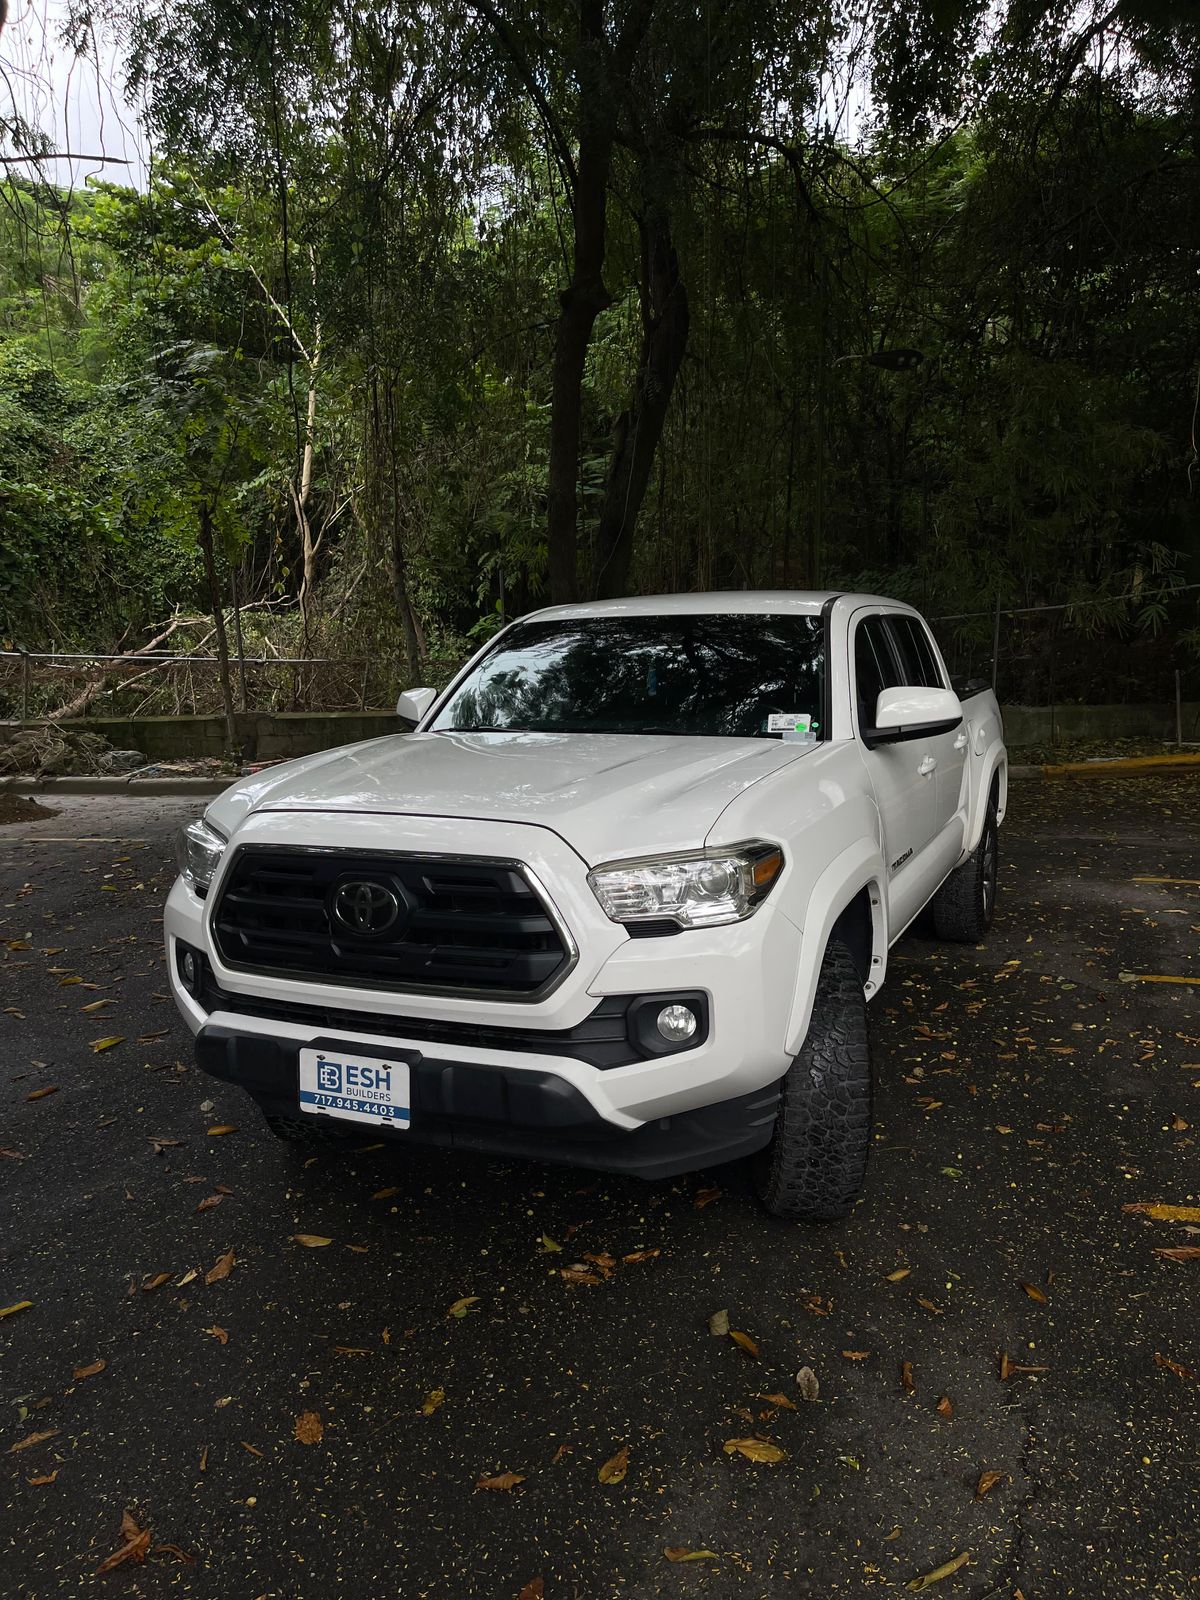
{"x":1178,"y":1252}
{"x":549,"y":1247}
{"x":780,"y":1400}
{"x":1164,"y":1213}
{"x":253,"y":1449}
{"x":460,"y":1308}
{"x":502,"y":1480}
{"x":680,"y":1552}
{"x":173,"y":1549}
{"x":1006,"y":1366}
{"x":11,"y":1311}
{"x":1180,"y":1124}
{"x":744,"y":1342}
{"x":718,"y":1323}
{"x":204,"y":1459}
{"x":946,"y":1570}
{"x":221,"y":1268}
{"x":43,"y":1478}
{"x":817,"y":1305}
{"x":1159,"y":1361}
{"x":929,"y":1305}
{"x":433,"y":1400}
{"x":856,"y":1355}
{"x":106,"y":1044}
{"x":615,"y":1468}
{"x":97,"y":1005}
{"x":221,"y":1127}
{"x":309,"y":1428}
{"x":30,"y":1439}
{"x":217,"y":1332}
{"x":535,"y":1589}
{"x":90,"y":1372}
{"x":705,"y":1197}
{"x":311,"y":1241}
{"x":604,"y":1263}
{"x":137,"y":1542}
{"x":386,"y":1194}
{"x":755,"y":1450}
{"x":189,"y":1276}
{"x":209,"y":1202}
{"x":40,"y":1094}
{"x":577,"y":1275}
{"x":1034,"y":1293}
{"x":945,"y":1406}
{"x":155,"y":1282}
{"x":906,"y":1377}
{"x":900,"y":1272}
{"x":809,"y":1387}
{"x":987,"y":1482}
{"x":640,"y":1255}
{"x":160,"y":1144}
{"x":351,"y":1350}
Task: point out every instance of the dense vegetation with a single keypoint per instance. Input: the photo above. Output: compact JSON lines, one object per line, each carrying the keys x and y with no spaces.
{"x":429,"y":315}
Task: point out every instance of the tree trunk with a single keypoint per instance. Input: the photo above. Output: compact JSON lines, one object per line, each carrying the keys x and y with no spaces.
{"x":214,"y":599}
{"x":639,"y":429}
{"x":584,"y":298}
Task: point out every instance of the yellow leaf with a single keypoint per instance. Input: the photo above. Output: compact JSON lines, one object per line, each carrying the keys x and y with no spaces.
{"x":755,"y":1450}
{"x":65,"y":983}
{"x":90,"y":1372}
{"x":780,"y":1400}
{"x":502,"y":1480}
{"x":11,"y":1311}
{"x":615,"y":1468}
{"x":107,"y":1042}
{"x":433,"y":1400}
{"x":987,"y":1481}
{"x":40,"y":1094}
{"x":1165,"y":1213}
{"x":460,"y":1308}
{"x":309,"y":1428}
{"x":946,"y":1570}
{"x":221,"y":1127}
{"x":312,"y":1241}
{"x":97,"y":1005}
{"x":386,"y":1194}
{"x":679,"y":1552}
{"x":744,"y":1342}
{"x":548,"y":1245}
{"x":900,"y":1272}
{"x":1034,"y":1293}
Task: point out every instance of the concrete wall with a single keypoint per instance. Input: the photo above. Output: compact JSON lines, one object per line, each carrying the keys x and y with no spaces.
{"x":270,"y":736}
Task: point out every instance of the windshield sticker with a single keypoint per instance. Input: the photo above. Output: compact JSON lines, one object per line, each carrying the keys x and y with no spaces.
{"x":789,"y":722}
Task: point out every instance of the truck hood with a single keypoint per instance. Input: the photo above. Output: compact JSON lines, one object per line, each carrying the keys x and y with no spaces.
{"x":607,"y":795}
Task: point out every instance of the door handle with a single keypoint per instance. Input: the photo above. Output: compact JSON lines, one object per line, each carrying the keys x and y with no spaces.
{"x":961,"y":742}
{"x":927,"y":767}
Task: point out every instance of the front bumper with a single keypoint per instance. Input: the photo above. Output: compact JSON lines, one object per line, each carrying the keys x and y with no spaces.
{"x":503,"y":1110}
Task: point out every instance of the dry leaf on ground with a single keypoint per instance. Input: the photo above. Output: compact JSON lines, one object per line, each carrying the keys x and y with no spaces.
{"x":744,"y":1342}
{"x":705,"y":1197}
{"x":680,"y":1552}
{"x":533,"y":1590}
{"x":155,"y":1281}
{"x":92,"y":1370}
{"x":577,"y":1274}
{"x":1159,"y":1361}
{"x":42,"y":1479}
{"x":221,"y":1268}
{"x":946,"y":1570}
{"x":615,"y":1468}
{"x":137,"y":1542}
{"x":311,"y":1241}
{"x":31,"y":1439}
{"x":460,"y":1308}
{"x":40,"y":1094}
{"x":1164,"y":1213}
{"x":220,"y":1128}
{"x":433,"y":1401}
{"x":945,"y":1406}
{"x":217,"y":1332}
{"x":718,"y":1323}
{"x":309,"y":1428}
{"x":906,"y":1377}
{"x":755,"y":1450}
{"x":900,"y":1272}
{"x":1178,"y":1252}
{"x":108,"y":1041}
{"x":11,"y":1311}
{"x":780,"y":1400}
{"x":987,"y":1482}
{"x":502,"y":1480}
{"x":1034,"y":1293}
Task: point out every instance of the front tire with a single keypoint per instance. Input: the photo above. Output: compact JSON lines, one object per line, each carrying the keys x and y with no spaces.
{"x":964,"y":906}
{"x":814,"y":1167}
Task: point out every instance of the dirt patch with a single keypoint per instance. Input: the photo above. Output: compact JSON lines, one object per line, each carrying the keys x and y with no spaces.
{"x":19,"y":808}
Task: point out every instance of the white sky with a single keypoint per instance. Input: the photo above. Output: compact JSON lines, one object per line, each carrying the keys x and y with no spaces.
{"x":78,"y":101}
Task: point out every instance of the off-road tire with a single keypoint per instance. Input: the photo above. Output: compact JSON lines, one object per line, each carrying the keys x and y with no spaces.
{"x":965,"y":904}
{"x":814,"y":1167}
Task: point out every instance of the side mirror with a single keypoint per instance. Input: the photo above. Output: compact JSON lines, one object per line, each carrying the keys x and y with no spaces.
{"x":414,"y":703}
{"x":910,"y":712}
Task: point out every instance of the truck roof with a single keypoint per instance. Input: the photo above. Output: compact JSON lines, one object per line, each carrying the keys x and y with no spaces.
{"x":803,"y":602}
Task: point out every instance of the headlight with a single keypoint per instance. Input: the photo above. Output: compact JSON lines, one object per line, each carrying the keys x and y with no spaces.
{"x":198,"y":850}
{"x":697,"y":891}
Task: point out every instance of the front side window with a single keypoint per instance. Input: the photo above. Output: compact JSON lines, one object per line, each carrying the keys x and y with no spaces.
{"x":724,"y":675}
{"x":916,"y":653}
{"x":874,"y":668}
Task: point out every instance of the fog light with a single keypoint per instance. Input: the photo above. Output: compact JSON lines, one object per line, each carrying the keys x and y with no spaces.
{"x":188,"y":965}
{"x":677,"y":1023}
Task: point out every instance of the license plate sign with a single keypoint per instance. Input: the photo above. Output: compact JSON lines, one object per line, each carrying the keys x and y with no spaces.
{"x":369,"y":1089}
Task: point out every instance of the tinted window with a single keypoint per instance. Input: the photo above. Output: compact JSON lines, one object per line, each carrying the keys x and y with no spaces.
{"x":874,"y":669}
{"x":705,"y":674}
{"x":915,"y":652}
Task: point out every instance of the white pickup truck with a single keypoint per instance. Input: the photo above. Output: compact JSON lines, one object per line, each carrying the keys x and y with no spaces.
{"x":618,"y":900}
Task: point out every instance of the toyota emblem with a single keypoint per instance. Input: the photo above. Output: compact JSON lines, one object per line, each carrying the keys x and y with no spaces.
{"x":365,"y":907}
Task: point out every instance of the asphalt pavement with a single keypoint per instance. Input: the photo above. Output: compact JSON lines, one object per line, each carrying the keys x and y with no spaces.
{"x":315,"y":1422}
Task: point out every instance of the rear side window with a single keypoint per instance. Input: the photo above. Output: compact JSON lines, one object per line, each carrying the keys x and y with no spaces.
{"x":915,"y":653}
{"x":874,"y":668}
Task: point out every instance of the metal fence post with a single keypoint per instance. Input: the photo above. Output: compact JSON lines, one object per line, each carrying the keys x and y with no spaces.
{"x":25,"y":683}
{"x":996,"y":646}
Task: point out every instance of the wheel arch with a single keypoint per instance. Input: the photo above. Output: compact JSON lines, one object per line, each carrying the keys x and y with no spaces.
{"x":849,"y":902}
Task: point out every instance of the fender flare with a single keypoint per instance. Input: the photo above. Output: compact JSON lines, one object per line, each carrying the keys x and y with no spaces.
{"x":997,"y":764}
{"x":860,"y":866}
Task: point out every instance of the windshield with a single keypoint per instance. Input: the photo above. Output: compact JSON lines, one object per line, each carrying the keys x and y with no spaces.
{"x":737,"y":676}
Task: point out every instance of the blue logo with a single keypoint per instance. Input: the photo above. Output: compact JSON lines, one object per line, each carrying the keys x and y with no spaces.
{"x":329,"y":1077}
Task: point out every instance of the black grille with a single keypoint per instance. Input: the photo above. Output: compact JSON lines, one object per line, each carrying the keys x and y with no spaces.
{"x":460,"y":923}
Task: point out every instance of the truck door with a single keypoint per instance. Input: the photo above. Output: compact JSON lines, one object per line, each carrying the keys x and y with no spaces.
{"x":901,"y":775}
{"x":918,"y":660}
